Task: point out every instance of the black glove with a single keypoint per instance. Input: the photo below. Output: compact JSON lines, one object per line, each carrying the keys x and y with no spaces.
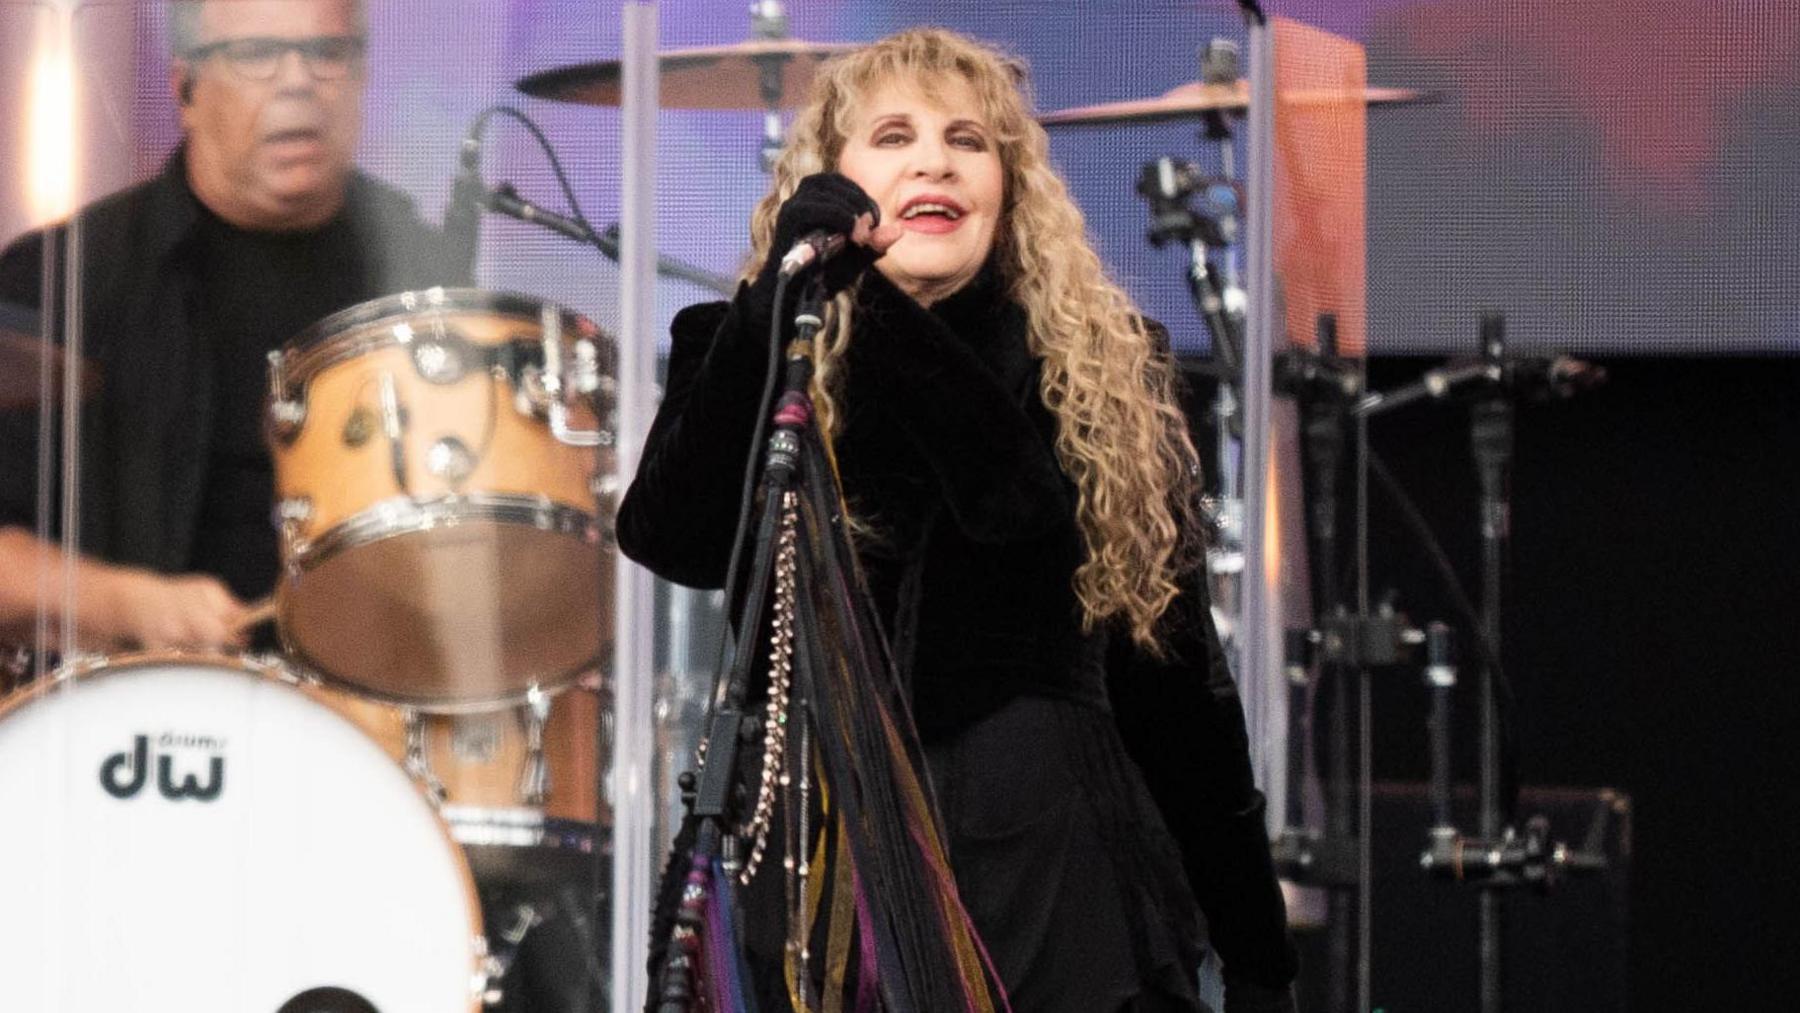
{"x":824,"y":201}
{"x":1245,"y":996}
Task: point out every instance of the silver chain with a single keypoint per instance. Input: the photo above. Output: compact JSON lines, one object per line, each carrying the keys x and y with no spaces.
{"x":781,"y":676}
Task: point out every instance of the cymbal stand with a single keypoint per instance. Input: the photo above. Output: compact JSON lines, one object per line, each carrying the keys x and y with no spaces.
{"x":1211,"y":235}
{"x":1350,"y":640}
{"x":768,"y":20}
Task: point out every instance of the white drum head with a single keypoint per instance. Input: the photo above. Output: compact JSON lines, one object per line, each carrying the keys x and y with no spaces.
{"x":198,"y":837}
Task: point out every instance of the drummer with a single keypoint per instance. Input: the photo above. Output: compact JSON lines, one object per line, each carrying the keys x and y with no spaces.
{"x":257,"y":226}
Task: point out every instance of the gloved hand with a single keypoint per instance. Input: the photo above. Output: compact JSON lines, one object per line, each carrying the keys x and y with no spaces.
{"x":1245,"y":996}
{"x":830,"y":202}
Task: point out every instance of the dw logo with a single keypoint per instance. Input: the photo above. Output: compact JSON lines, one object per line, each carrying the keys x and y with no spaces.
{"x":123,"y":774}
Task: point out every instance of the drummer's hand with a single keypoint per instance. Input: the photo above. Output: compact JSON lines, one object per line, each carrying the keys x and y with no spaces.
{"x":128,"y":608}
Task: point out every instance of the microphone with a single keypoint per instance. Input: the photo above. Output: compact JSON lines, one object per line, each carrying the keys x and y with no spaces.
{"x":816,"y":247}
{"x":505,"y":200}
{"x":462,"y":216}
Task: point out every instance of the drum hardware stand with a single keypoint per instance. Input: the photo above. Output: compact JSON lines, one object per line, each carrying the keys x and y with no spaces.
{"x":1512,"y":859}
{"x":1169,"y":186}
{"x":1350,"y":640}
{"x":1345,"y":643}
{"x":1499,"y":857}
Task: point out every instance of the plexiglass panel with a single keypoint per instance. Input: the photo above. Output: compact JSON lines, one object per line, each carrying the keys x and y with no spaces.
{"x":308,"y":472}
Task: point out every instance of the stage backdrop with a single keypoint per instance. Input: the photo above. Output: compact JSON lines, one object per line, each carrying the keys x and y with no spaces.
{"x":1620,"y":177}
{"x":1617,"y":176}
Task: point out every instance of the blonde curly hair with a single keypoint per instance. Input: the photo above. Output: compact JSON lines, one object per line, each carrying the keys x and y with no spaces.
{"x":1121,"y":438}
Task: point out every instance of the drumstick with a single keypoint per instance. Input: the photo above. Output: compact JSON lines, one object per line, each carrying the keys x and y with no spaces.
{"x":261,"y":611}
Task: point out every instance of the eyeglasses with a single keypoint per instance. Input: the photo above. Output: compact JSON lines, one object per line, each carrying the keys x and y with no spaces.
{"x":327,"y":58}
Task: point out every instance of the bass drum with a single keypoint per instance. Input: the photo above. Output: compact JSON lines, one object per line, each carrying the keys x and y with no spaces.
{"x":199,"y":835}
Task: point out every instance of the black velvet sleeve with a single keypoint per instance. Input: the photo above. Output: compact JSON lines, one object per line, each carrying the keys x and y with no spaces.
{"x":908,"y":377}
{"x":1183,"y":723}
{"x":678,"y":517}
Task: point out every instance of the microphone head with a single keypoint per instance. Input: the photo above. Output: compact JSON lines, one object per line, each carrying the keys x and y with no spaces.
{"x":1219,"y":62}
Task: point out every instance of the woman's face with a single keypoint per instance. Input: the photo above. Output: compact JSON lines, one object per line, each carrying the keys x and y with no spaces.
{"x":933,"y":166}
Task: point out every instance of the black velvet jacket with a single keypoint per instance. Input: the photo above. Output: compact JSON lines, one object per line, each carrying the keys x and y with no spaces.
{"x":946,"y":453}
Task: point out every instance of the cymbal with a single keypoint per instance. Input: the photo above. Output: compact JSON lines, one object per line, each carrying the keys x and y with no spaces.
{"x":22,"y":354}
{"x":710,"y":77}
{"x":1195,"y":98}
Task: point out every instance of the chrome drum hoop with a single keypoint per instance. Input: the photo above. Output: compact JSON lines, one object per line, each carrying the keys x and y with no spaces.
{"x":93,"y":665}
{"x":389,"y":321}
{"x":401,"y":515}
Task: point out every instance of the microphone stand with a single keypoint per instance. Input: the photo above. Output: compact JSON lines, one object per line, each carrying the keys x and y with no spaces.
{"x":502,"y":199}
{"x":1491,"y":441}
{"x":472,"y":196}
{"x":711,"y":795}
{"x":1498,"y":857}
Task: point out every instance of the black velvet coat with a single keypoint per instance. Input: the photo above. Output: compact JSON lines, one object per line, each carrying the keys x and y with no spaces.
{"x":945,"y":452}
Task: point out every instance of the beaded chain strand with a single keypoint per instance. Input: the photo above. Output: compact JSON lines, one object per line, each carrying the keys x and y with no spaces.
{"x":781,"y":676}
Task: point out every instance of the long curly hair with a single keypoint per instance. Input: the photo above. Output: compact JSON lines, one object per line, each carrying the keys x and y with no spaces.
{"x":1121,"y":437}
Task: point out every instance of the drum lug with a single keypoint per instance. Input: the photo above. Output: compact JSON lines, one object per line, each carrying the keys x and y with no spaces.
{"x":286,"y":417}
{"x":418,"y":762}
{"x":451,"y":460}
{"x":442,"y":358}
{"x":293,"y":510}
{"x":291,"y":515}
{"x":286,"y":413}
{"x":534,"y":781}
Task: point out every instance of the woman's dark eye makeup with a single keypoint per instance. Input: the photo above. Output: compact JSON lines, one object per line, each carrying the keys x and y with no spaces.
{"x":963,"y":137}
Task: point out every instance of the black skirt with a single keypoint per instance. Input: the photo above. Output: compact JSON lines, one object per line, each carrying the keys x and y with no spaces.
{"x":1064,"y":864}
{"x":1061,"y":859}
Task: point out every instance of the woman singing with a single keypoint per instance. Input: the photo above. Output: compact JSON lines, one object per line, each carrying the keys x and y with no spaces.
{"x":1024,"y":497}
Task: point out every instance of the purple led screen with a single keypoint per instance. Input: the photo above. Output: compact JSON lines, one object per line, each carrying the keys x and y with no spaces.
{"x":1621,"y":176}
